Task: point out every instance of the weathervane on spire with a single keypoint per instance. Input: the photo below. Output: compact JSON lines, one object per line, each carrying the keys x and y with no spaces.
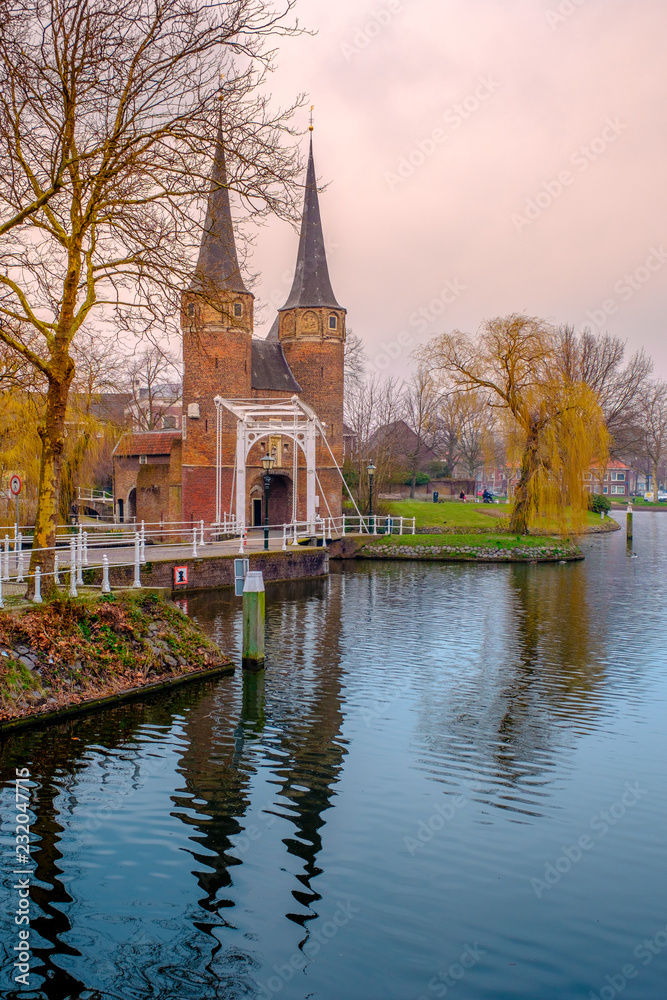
{"x":220,"y":85}
{"x":310,"y":127}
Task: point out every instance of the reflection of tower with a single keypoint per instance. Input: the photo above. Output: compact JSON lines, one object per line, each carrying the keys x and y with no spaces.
{"x":299,"y":718}
{"x":217,"y":324}
{"x":311,"y":330}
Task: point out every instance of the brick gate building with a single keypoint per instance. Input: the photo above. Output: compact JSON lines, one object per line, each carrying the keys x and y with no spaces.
{"x":301,"y":360}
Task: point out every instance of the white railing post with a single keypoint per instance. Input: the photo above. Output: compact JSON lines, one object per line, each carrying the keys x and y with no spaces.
{"x":19,"y":568}
{"x":284,"y":537}
{"x":85,"y":548}
{"x":194,"y":543}
{"x":56,"y":565}
{"x":414,"y":522}
{"x":72,"y":569}
{"x":142,"y":540}
{"x":5,"y":569}
{"x":2,"y":603}
{"x":79,"y":558}
{"x":37,"y":598}
{"x":137,"y":560}
{"x":241,"y":543}
{"x":400,"y":527}
{"x":375,"y":524}
{"x":201,"y":536}
{"x":106,"y":589}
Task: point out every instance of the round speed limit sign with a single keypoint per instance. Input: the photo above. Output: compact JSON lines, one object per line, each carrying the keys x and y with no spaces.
{"x":15,"y":485}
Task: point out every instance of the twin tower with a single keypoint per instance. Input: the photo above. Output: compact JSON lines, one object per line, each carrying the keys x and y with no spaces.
{"x":302,"y":355}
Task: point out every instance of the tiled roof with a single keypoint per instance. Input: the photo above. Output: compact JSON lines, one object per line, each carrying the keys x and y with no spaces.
{"x":146,"y":443}
{"x":270,"y":369}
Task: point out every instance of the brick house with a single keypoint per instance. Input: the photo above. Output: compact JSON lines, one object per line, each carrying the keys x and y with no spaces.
{"x":147,"y":477}
{"x":615,"y":480}
{"x":287,"y":389}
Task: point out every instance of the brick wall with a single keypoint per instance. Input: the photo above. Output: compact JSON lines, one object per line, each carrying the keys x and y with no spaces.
{"x":218,"y":571}
{"x":216,"y":362}
{"x":316,"y":356}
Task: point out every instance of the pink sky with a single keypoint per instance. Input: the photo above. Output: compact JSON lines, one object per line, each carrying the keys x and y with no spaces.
{"x":438,"y":121}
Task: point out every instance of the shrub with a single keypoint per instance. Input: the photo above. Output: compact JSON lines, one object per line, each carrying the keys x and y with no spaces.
{"x":421,"y":479}
{"x":597,"y":502}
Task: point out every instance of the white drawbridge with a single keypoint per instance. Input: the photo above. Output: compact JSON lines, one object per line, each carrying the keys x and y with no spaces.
{"x":257,"y":419}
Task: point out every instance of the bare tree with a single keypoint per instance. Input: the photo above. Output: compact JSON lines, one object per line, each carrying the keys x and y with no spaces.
{"x":475,"y":432}
{"x":599,"y":361}
{"x":354,"y":360}
{"x":155,"y":385}
{"x":420,"y":409}
{"x":372,"y":408}
{"x":108,"y":113}
{"x":654,"y":428}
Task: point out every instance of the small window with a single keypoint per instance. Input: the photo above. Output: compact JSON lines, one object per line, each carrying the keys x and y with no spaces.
{"x":191,"y":309}
{"x":169,"y":423}
{"x":333,"y":322}
{"x":216,"y":362}
{"x":143,"y":459}
{"x":238,"y":309}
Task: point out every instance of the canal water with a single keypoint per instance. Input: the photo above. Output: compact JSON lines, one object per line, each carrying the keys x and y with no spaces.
{"x":450,"y":782}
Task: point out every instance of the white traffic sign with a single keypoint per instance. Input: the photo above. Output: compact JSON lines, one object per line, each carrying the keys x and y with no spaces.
{"x":15,"y":485}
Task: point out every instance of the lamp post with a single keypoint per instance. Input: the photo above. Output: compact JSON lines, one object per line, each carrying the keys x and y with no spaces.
{"x":267,"y":462}
{"x":371,"y":472}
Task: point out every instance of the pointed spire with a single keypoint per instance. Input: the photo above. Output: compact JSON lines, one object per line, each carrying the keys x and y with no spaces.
{"x":218,"y":266}
{"x":311,"y":286}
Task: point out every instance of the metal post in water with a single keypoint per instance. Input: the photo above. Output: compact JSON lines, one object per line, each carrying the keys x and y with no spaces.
{"x":137,"y":561}
{"x":37,"y":598}
{"x":106,"y":589}
{"x":254,"y":614}
{"x":628,"y":523}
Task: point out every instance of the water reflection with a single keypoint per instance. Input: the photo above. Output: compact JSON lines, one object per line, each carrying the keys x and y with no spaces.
{"x":191,"y":845}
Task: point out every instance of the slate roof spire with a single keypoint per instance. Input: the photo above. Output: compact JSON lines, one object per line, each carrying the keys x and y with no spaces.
{"x":218,"y":266}
{"x":311,"y":286}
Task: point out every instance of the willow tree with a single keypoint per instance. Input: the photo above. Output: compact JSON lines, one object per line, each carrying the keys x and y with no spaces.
{"x":108,"y":114}
{"x":558,"y":423}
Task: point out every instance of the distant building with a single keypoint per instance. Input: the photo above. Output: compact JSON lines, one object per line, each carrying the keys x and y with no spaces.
{"x":614,"y":481}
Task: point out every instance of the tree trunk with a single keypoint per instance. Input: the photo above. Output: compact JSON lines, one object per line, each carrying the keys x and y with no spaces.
{"x":413,"y":483}
{"x":655,"y":482}
{"x":52,"y":433}
{"x":523,"y":494}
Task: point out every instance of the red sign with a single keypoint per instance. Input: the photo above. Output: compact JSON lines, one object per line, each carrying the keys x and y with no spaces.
{"x":180,"y":575}
{"x":15,"y":485}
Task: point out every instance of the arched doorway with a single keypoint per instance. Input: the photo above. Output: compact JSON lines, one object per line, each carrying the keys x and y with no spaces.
{"x":280,"y":500}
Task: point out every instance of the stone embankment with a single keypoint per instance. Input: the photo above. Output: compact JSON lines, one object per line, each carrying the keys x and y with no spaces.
{"x":473,"y":553}
{"x":69,"y":655}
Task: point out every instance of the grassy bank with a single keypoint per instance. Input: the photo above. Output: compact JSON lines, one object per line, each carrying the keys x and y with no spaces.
{"x":68,"y":652}
{"x":454,"y":514}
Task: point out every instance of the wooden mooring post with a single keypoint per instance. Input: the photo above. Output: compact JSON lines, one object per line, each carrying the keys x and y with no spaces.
{"x":254,"y":614}
{"x":628,"y":523}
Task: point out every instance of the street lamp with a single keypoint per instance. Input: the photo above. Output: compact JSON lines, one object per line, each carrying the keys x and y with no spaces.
{"x":267,"y":462}
{"x":370,"y":469}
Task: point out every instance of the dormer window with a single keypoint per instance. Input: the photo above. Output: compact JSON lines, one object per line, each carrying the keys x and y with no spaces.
{"x":333,"y":322}
{"x":238,"y":309}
